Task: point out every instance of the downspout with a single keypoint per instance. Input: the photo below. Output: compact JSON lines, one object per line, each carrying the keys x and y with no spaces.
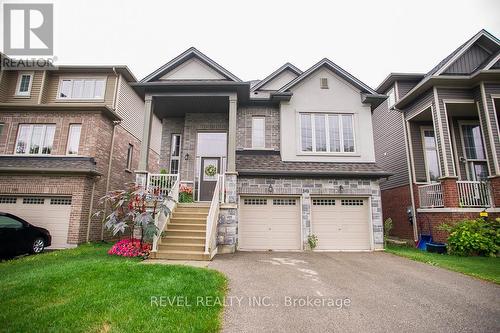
{"x":110,"y":163}
{"x":91,"y":208}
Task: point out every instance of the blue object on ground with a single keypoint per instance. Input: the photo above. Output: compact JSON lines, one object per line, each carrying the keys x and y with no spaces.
{"x":422,"y":242}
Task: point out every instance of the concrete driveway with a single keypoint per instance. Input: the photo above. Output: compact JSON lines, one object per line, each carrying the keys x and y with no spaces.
{"x":352,"y":292}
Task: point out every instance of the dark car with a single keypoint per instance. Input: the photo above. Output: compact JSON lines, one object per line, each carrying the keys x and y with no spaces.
{"x":18,"y":236}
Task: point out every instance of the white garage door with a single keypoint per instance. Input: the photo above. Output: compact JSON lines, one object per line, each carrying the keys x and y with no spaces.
{"x":51,"y":213}
{"x":341,"y":223}
{"x":269,"y":224}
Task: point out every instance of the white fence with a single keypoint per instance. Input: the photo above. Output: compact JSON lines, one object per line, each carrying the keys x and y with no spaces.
{"x":163,"y":182}
{"x":431,"y":195}
{"x":474,"y":194}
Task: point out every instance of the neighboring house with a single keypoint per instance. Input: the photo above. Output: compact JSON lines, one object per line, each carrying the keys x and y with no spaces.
{"x":66,"y":137}
{"x":296,"y":150}
{"x":439,"y":132}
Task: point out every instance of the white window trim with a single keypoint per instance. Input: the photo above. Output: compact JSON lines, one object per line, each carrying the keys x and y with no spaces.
{"x":79,"y":138}
{"x":66,"y":99}
{"x":130,"y":158}
{"x":26,"y":94}
{"x":175,"y":158}
{"x":313,"y":133}
{"x":389,"y":105}
{"x":28,"y":141}
{"x":264,"y":145}
{"x":470,"y":173}
{"x":422,"y":137}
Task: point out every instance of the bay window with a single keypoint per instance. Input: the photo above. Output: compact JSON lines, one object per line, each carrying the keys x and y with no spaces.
{"x":327,"y":132}
{"x":35,"y":139}
{"x":81,"y":89}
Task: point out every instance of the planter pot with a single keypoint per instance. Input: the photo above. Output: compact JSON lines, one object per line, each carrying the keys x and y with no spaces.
{"x":436,"y":248}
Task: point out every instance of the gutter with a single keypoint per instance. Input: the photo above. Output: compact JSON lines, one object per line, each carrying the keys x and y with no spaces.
{"x":315,"y":174}
{"x":49,"y":170}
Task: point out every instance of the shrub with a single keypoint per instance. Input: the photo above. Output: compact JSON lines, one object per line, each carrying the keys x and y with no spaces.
{"x":477,"y":237}
{"x":387,"y":229}
{"x":312,"y":240}
{"x":130,"y":247}
{"x":185,"y":193}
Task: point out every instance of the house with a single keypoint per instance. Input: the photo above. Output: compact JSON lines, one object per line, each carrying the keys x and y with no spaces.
{"x":66,"y":137}
{"x":294,"y":154}
{"x":438,"y":134}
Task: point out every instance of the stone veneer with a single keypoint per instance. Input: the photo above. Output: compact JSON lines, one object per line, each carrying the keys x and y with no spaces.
{"x":305,"y":188}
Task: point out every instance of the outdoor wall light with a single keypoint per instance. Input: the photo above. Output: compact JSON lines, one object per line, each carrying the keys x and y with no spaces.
{"x":270,"y":188}
{"x":186,"y":157}
{"x":341,"y":189}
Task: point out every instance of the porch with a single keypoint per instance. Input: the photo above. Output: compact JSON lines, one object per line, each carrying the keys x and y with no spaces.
{"x":453,"y":155}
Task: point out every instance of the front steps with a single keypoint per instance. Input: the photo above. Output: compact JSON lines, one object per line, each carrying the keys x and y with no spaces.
{"x":184,"y":237}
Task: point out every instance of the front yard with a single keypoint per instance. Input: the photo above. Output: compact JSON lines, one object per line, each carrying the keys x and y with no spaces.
{"x":486,"y":268}
{"x":86,"y":290}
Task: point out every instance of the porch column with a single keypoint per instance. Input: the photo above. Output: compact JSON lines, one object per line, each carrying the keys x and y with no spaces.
{"x":487,"y":119}
{"x":231,"y":146}
{"x":142,"y":169}
{"x":450,"y":191}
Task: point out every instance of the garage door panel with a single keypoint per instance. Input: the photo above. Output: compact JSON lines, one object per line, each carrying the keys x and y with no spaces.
{"x":50,"y":213}
{"x":269,"y":224}
{"x":341,"y":224}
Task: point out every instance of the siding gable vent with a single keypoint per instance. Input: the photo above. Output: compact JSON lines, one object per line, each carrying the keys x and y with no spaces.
{"x":323,"y":83}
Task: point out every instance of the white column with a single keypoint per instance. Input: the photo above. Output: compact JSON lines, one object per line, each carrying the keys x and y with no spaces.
{"x":231,"y":147}
{"x":146,"y":134}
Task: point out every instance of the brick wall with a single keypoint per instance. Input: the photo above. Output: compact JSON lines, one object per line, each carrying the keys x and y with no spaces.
{"x":395,"y":202}
{"x":170,"y":125}
{"x":244,"y":126}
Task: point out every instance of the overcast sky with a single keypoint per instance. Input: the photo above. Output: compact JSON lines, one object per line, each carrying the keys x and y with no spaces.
{"x":253,"y":38}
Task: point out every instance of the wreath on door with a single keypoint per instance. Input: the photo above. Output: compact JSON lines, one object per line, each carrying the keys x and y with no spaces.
{"x":210,"y":170}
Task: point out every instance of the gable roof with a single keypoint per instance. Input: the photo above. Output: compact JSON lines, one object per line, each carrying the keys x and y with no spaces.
{"x":440,"y":69}
{"x":270,"y":77}
{"x":336,"y":69}
{"x":190,"y":53}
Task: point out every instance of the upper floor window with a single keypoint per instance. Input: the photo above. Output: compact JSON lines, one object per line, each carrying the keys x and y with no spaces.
{"x":35,"y":139}
{"x":323,"y":83}
{"x":73,"y":139}
{"x":175,"y":153}
{"x":81,"y":89}
{"x":391,"y":100}
{"x":24,"y":84}
{"x":327,"y":132}
{"x":430,"y":154}
{"x":258,"y":132}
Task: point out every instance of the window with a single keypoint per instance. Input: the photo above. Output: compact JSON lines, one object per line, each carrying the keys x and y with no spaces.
{"x":284,"y":202}
{"x":327,"y":133}
{"x":1,"y":128}
{"x":9,"y":223}
{"x":175,"y":153}
{"x":24,"y":84}
{"x":430,"y":155}
{"x":352,"y":202}
{"x":255,"y":201}
{"x":477,"y":167}
{"x":323,"y":83}
{"x":130,"y":153}
{"x":33,"y":201}
{"x":61,"y":201}
{"x":73,"y":139}
{"x":35,"y":139}
{"x":8,"y":200}
{"x":81,"y":89}
{"x":391,"y":100}
{"x":258,"y":132}
{"x":323,"y":202}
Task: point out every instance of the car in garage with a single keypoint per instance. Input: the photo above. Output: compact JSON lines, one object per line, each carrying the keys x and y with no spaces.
{"x":18,"y":236}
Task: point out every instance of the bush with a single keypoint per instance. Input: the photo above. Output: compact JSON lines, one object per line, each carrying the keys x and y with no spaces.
{"x":473,"y":237}
{"x":185,"y":193}
{"x":130,"y":248}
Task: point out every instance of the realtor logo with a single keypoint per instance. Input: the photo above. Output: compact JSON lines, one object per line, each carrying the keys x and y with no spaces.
{"x":28,"y":29}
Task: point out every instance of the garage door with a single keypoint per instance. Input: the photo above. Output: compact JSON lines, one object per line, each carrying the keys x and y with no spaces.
{"x":50,"y":213}
{"x":341,"y":223}
{"x":269,"y":224}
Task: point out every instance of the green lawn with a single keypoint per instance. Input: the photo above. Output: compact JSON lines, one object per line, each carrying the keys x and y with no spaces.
{"x":481,"y":267}
{"x":86,"y":290}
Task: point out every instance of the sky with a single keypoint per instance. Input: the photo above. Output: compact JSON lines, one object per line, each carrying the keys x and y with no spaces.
{"x":251,"y":39}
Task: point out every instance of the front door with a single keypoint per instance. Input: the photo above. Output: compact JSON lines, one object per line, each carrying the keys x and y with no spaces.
{"x":210,"y":168}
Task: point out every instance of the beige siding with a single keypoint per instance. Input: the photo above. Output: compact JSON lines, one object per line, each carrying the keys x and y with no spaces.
{"x":52,"y":86}
{"x":130,"y":107}
{"x":9,"y":84}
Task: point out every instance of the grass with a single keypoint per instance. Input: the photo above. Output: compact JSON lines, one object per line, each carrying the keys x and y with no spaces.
{"x":486,"y":268}
{"x":86,"y":290}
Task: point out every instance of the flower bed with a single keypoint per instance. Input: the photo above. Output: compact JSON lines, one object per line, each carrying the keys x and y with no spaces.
{"x":130,"y":248}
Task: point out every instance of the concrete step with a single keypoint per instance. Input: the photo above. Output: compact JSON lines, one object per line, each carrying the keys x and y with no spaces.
{"x":186,"y":226}
{"x":194,"y":205}
{"x":192,"y":220}
{"x":182,"y":255}
{"x":189,"y":213}
{"x":194,"y":210}
{"x":188,"y":233}
{"x":181,"y":247}
{"x":182,"y":239}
